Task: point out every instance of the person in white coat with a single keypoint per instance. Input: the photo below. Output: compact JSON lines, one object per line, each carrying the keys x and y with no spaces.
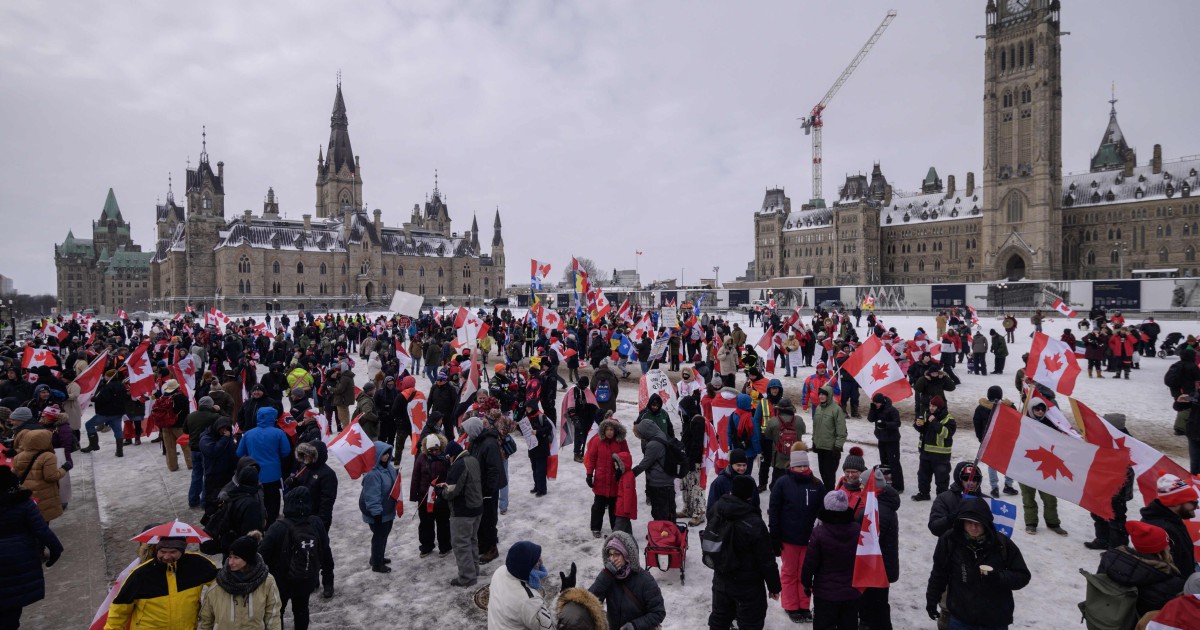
{"x":514,"y":599}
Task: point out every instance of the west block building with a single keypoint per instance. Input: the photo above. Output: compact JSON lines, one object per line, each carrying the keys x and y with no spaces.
{"x":106,"y":272}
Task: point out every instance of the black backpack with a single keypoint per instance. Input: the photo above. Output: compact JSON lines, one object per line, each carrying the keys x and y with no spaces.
{"x":1173,"y":379}
{"x":675,"y":461}
{"x":304,"y":559}
{"x":218,"y":527}
{"x":715,"y":545}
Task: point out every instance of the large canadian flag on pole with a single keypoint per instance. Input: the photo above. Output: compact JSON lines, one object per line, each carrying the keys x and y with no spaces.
{"x":877,"y":371}
{"x":716,"y":434}
{"x":869,"y":571}
{"x":1044,"y":459}
{"x":89,"y":380}
{"x":37,"y":357}
{"x":625,"y":313}
{"x":1063,"y":308}
{"x":1052,"y":363}
{"x":354,"y":449}
{"x":141,"y":372}
{"x":416,"y":415}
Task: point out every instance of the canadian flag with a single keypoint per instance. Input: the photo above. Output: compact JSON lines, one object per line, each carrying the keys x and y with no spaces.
{"x":557,"y":433}
{"x":416,"y":415}
{"x":592,"y":436}
{"x":974,"y":315}
{"x":261,"y":328}
{"x":538,"y":272}
{"x":1063,"y":308}
{"x":101,"y":617}
{"x":217,"y":317}
{"x":141,"y":373}
{"x":53,"y":330}
{"x":1044,"y":459}
{"x":1180,"y":613}
{"x":190,"y":309}
{"x":121,"y":314}
{"x":1052,"y":363}
{"x":549,"y":319}
{"x":184,"y":371}
{"x":767,"y":340}
{"x":36,"y":357}
{"x":403,"y":358}
{"x":625,"y":313}
{"x":877,"y":371}
{"x":396,"y":492}
{"x":354,"y":449}
{"x":716,"y":434}
{"x":869,"y":571}
{"x":471,"y":387}
{"x":1055,"y":414}
{"x":89,"y":380}
{"x":643,"y":328}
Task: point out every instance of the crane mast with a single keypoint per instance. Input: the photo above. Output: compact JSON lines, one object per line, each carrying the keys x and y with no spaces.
{"x":813,"y":123}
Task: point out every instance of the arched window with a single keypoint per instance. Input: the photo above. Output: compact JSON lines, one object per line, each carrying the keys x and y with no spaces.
{"x":1030,"y":45}
{"x":1026,"y":96}
{"x":206,"y":201}
{"x":970,"y":262}
{"x":1110,"y":234}
{"x":343,"y":288}
{"x":1114,"y":257}
{"x":441,"y":272}
{"x":1021,"y":55}
{"x":1189,"y":254}
{"x":906,"y":266}
{"x":241,"y":286}
{"x":1159,"y":231}
{"x":891,"y":266}
{"x":921,"y":265}
{"x":324,"y":269}
{"x":1186,"y":229}
{"x":248,"y":287}
{"x":1168,"y":229}
{"x":244,"y":264}
{"x":421,"y":273}
{"x":1016,"y":208}
{"x":1091,"y":258}
{"x":275,"y":267}
{"x":937,"y":265}
{"x":1162,"y":254}
{"x":400,"y":270}
{"x":299,"y":267}
{"x":345,"y":267}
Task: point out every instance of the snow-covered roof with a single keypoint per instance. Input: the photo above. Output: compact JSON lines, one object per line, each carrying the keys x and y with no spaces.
{"x":809,"y":219}
{"x":930,"y":207}
{"x":328,"y":235}
{"x":1177,"y":178}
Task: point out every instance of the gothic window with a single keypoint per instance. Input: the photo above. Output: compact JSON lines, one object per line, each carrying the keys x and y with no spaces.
{"x":1159,"y":232}
{"x":906,"y":266}
{"x":1091,"y":258}
{"x":1189,"y":254}
{"x":937,"y":265}
{"x":400,"y":270}
{"x":345,"y":268}
{"x":244,"y":264}
{"x":299,"y":267}
{"x":1110,"y":234}
{"x":1012,"y":56}
{"x":1186,"y":229}
{"x":364,"y":267}
{"x":1003,"y":60}
{"x":466,"y":271}
{"x":275,"y":267}
{"x":921,"y":265}
{"x":248,"y":287}
{"x":206,"y":201}
{"x":421,"y":273}
{"x":1021,"y":55}
{"x":1168,"y":229}
{"x":1030,"y":44}
{"x":1007,"y":100}
{"x":383,"y":270}
{"x":343,"y":288}
{"x":1016,"y":209}
{"x":970,"y":262}
{"x":324,"y":269}
{"x":1162,"y":254}
{"x":441,"y":272}
{"x":891,"y":266}
{"x":241,"y":286}
{"x":1118,"y":234}
{"x":1026,"y":96}
{"x":1114,"y":257}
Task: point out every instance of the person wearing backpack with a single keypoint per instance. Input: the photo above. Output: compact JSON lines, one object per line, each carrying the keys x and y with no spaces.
{"x":1146,"y":565}
{"x":239,"y":509}
{"x":744,"y":432}
{"x":744,"y":572}
{"x":295,"y":548}
{"x":579,"y":406}
{"x":783,"y":430}
{"x":606,"y":387}
{"x":792,"y":513}
{"x":764,"y":412}
{"x":694,"y":431}
{"x":979,"y":568}
{"x":630,"y":594}
{"x":660,"y":486}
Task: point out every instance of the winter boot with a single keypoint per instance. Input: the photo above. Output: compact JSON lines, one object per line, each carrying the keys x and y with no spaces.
{"x":93,"y":444}
{"x":120,"y":448}
{"x":1090,"y":375}
{"x":1099,"y":373}
{"x":75,"y":432}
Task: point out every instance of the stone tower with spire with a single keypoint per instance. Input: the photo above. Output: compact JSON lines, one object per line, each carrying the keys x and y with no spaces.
{"x":498,"y":245}
{"x":205,"y":219}
{"x":339,"y":178}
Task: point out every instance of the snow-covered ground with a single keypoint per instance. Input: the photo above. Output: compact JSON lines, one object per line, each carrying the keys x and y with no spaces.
{"x":137,"y":490}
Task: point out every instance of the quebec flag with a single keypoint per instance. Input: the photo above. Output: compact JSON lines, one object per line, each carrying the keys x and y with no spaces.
{"x":625,"y":347}
{"x":1004,"y":516}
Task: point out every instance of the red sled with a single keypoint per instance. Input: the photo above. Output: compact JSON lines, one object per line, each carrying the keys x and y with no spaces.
{"x":667,"y":540}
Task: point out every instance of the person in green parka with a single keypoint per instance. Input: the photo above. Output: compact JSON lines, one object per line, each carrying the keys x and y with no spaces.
{"x":828,"y":435}
{"x":999,"y":350}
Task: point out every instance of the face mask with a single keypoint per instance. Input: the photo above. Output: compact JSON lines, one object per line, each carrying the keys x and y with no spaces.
{"x":536,"y":575}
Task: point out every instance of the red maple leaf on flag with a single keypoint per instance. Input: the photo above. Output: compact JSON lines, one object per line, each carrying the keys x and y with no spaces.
{"x":1053,"y":363}
{"x":353,"y":440}
{"x":544,"y":270}
{"x":1049,"y":464}
{"x":879,"y":371}
{"x":866,"y":524}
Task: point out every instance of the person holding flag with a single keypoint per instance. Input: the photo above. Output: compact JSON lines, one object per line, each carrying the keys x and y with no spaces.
{"x":378,"y":506}
{"x":978,"y":568}
{"x":431,"y":466}
{"x":828,"y":571}
{"x":1037,"y":411}
{"x":874,"y":611}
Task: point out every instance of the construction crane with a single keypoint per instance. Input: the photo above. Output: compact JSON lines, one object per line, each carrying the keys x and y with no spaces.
{"x":813,"y":124}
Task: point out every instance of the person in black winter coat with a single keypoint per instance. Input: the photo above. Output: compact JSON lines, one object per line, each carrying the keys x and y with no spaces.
{"x":1175,"y":503}
{"x":247,"y":513}
{"x":1146,"y":564}
{"x":945,"y":506}
{"x":277,"y":548}
{"x":632,"y":598}
{"x":485,"y":448}
{"x":24,"y":535}
{"x":978,"y":568}
{"x":722,"y":484}
{"x":886,"y":419}
{"x":982,"y":420}
{"x":443,"y":397}
{"x":220,"y":461}
{"x":539,"y":455}
{"x":322,"y":484}
{"x":738,"y":590}
{"x":874,"y":610}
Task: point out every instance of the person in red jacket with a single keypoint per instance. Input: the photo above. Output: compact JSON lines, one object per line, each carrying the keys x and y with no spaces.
{"x":1121,"y":345}
{"x":600,"y":462}
{"x":627,"y":499}
{"x":812,"y":386}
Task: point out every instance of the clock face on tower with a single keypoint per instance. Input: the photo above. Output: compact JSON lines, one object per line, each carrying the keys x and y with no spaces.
{"x":1017,"y":6}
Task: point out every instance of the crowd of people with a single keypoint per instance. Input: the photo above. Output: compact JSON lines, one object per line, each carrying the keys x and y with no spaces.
{"x":252,"y":409}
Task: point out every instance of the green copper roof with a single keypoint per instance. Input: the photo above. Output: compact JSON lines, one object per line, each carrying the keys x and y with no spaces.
{"x":74,"y":246}
{"x":134,"y":261}
{"x":111,"y":209}
{"x":931,"y":177}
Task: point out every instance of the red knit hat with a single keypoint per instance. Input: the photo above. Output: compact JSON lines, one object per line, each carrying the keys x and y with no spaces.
{"x":1174,"y":491}
{"x":937,"y":401}
{"x":1147,"y":538}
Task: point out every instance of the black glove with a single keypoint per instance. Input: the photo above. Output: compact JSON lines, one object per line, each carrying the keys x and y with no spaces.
{"x":568,"y":581}
{"x":378,"y":520}
{"x":10,"y":452}
{"x":807,"y":591}
{"x":932,"y":609}
{"x":590,"y":482}
{"x":67,"y":466}
{"x":52,"y":559}
{"x":777,"y":544}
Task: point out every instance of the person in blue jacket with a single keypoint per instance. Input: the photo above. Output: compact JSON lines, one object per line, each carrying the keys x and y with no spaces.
{"x":269,"y":446}
{"x":744,"y":432}
{"x":377,"y":505}
{"x":722,"y":484}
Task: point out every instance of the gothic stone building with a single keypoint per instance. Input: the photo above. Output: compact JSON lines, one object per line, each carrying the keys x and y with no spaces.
{"x":338,"y":258}
{"x":106,"y":272}
{"x":1023,"y":219}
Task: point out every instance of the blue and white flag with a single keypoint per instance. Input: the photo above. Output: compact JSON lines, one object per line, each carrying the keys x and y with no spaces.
{"x":1004,"y":516}
{"x":696,"y":308}
{"x":625,"y":347}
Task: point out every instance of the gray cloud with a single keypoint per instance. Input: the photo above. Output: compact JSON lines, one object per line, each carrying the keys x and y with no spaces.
{"x":621,"y":125}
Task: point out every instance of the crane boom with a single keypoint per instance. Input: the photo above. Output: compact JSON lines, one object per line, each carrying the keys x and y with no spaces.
{"x":814,"y":123}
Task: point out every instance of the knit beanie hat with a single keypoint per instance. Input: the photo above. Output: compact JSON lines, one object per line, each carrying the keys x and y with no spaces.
{"x":799,"y":455}
{"x":837,"y":501}
{"x":432,"y":442}
{"x":937,"y":401}
{"x":879,"y":398}
{"x":205,"y":401}
{"x":21,"y":414}
{"x":854,"y":461}
{"x":1172,"y":490}
{"x":245,"y":548}
{"x":1147,"y":538}
{"x":1192,"y":585}
{"x":744,"y":487}
{"x":522,"y":558}
{"x":716,"y":381}
{"x":737,"y":456}
{"x":994,"y":393}
{"x":473,"y":427}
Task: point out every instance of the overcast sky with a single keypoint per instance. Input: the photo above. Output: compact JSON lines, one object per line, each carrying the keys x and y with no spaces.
{"x":598,"y":127}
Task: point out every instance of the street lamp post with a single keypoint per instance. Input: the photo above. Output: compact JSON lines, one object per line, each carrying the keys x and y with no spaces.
{"x":1000,"y":288}
{"x":1122,"y":249}
{"x":717,"y":271}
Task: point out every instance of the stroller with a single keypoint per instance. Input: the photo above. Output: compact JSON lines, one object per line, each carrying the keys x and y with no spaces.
{"x":1167,"y":349}
{"x":669,"y":540}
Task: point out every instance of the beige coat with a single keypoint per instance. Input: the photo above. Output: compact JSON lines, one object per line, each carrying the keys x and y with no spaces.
{"x":37,"y":456}
{"x":70,"y":406}
{"x":260,"y":610}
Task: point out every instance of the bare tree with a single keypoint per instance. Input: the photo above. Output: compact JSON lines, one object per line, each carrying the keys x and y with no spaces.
{"x":596,"y":275}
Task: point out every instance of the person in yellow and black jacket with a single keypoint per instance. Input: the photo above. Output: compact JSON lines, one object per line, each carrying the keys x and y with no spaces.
{"x":162,"y":593}
{"x":937,"y":437}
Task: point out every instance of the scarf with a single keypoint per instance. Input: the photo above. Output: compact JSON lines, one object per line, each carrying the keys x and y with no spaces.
{"x":243,"y":582}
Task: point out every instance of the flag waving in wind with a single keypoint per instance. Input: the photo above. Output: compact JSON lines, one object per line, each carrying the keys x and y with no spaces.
{"x":877,"y":371}
{"x":1063,"y":307}
{"x":354,"y":449}
{"x":869,"y":571}
{"x":538,"y":272}
{"x":1052,"y":363}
